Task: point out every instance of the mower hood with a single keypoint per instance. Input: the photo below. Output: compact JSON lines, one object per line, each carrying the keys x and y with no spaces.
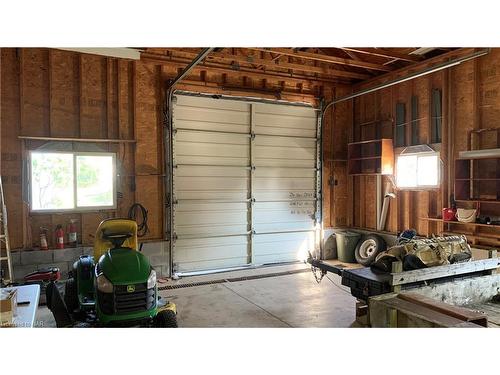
{"x":124,"y":266}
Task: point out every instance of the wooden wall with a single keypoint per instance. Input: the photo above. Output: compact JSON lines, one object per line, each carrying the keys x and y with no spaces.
{"x":53,"y":93}
{"x":470,"y":97}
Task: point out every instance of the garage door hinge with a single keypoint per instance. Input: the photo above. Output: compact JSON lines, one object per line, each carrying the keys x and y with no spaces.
{"x":174,"y":237}
{"x":252,"y":136}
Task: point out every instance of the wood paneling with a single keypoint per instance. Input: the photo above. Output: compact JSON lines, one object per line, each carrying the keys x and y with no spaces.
{"x":48,"y":92}
{"x":470,"y":101}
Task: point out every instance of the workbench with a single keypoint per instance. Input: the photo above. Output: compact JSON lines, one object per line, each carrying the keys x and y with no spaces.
{"x":28,"y":297}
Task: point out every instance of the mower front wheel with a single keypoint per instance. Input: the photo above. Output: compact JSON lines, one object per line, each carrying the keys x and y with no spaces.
{"x":165,"y":319}
{"x":71,"y":295}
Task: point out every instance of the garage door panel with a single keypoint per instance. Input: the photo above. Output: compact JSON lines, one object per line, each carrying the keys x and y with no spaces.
{"x":290,"y":142}
{"x":284,"y":227}
{"x":202,"y":206}
{"x":217,"y":251}
{"x":275,"y":152}
{"x":277,"y":172}
{"x":208,"y":115}
{"x":284,"y":163}
{"x":222,"y":229}
{"x":220,"y":150}
{"x":286,"y":194}
{"x":286,"y":110}
{"x":210,"y":171}
{"x":208,"y":137}
{"x":211,"y":264}
{"x":274,"y":248}
{"x":211,"y":183}
{"x":219,"y":195}
{"x":210,"y":161}
{"x":284,"y":131}
{"x":209,"y":103}
{"x":284,"y":183}
{"x":213,"y":126}
{"x":212,"y":218}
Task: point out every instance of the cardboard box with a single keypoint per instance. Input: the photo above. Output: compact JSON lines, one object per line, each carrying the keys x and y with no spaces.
{"x":8,"y":304}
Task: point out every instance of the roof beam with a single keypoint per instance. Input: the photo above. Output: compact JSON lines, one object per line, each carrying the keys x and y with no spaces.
{"x":384,"y":53}
{"x":228,"y":57}
{"x":217,"y":67}
{"x":325,"y":58}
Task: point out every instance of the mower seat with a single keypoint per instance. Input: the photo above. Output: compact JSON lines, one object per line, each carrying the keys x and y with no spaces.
{"x":113,"y":232}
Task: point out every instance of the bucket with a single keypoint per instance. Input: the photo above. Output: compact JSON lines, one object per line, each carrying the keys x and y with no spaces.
{"x":346,"y":245}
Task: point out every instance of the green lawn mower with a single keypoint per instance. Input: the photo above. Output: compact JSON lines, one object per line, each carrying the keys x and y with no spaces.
{"x":114,"y":287}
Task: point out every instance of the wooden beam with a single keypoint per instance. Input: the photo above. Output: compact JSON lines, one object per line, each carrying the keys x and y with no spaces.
{"x":384,"y":53}
{"x":162,"y":59}
{"x":325,"y":58}
{"x":461,"y":52}
{"x":227,"y":57}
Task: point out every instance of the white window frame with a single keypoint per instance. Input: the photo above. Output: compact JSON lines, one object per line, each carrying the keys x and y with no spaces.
{"x":75,"y":208}
{"x":421,"y":187}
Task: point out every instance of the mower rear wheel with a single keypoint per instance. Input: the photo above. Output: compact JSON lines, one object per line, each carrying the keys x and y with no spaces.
{"x":71,"y":295}
{"x":165,"y":319}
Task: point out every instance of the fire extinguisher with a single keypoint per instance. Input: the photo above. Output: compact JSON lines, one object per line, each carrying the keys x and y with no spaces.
{"x":59,"y":237}
{"x":72,"y":236}
{"x":43,"y":239}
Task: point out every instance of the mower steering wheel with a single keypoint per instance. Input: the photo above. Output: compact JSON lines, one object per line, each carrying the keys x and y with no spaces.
{"x":117,"y":239}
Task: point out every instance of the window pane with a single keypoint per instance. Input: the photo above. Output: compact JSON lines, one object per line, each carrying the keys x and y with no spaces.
{"x":427,"y":170}
{"x":94,"y":180}
{"x":406,"y":171}
{"x":51,"y":181}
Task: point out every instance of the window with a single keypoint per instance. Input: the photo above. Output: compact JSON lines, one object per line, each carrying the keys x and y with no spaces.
{"x":420,"y":170}
{"x":72,"y":181}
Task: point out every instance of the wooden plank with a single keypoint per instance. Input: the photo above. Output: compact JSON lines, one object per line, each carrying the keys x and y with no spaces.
{"x":34,"y":91}
{"x":389,"y":311}
{"x":64,"y":94}
{"x":407,"y":277}
{"x":93,"y":109}
{"x":385,"y":53}
{"x":325,"y":58}
{"x":458,"y":312}
{"x":10,"y":148}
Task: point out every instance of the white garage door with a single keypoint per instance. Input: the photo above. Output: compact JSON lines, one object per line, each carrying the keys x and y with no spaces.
{"x":245,"y":183}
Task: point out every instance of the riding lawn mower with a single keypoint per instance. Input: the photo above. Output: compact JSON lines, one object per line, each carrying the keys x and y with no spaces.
{"x":114,"y":287}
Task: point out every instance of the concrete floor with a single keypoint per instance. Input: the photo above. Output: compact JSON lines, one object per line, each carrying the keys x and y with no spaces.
{"x":293,"y":300}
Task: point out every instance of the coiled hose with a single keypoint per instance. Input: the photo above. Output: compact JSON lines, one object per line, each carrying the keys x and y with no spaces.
{"x":142,"y":226}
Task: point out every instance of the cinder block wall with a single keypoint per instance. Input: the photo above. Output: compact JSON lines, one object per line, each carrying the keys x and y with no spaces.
{"x":24,"y":262}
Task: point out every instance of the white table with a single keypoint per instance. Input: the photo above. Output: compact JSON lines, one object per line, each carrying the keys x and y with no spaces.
{"x":25,"y":313}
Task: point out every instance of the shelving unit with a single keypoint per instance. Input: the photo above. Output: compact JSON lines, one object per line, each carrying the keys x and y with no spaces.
{"x":477,"y":180}
{"x":370,"y":157}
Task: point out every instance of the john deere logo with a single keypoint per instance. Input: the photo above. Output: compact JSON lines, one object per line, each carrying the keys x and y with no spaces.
{"x":130,"y":288}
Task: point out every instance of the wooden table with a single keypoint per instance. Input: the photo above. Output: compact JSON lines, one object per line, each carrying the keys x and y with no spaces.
{"x":25,"y":313}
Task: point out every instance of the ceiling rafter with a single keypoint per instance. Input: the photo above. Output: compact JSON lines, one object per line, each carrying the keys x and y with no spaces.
{"x":325,"y":58}
{"x":384,"y":53}
{"x":226,"y":56}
